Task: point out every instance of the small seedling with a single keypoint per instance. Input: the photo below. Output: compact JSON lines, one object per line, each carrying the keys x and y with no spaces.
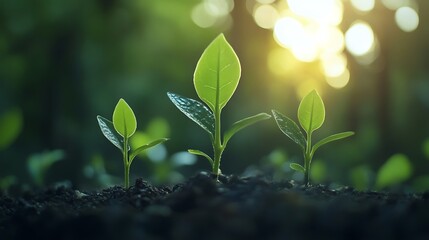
{"x":119,"y":133}
{"x":215,"y":79}
{"x":311,"y":115}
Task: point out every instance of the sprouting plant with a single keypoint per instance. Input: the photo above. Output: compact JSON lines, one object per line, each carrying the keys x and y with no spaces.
{"x":215,"y":79}
{"x":119,"y":133}
{"x":311,"y":115}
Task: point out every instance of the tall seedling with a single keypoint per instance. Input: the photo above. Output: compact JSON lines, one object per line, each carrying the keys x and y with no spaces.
{"x":119,"y":132}
{"x":215,"y":79}
{"x":311,"y":115}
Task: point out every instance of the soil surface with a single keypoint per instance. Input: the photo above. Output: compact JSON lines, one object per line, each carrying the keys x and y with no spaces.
{"x":201,"y":208}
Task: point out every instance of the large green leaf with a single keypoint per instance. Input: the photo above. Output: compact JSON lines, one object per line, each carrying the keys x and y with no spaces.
{"x":311,"y":112}
{"x":124,"y":120}
{"x":396,"y":170}
{"x":137,"y":151}
{"x":331,"y":138}
{"x":109,"y":132}
{"x":217,"y":73}
{"x":289,"y":128}
{"x":239,"y":125}
{"x":194,"y":110}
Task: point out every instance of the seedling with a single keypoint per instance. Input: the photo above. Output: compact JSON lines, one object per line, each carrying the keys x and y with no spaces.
{"x":311,"y":115}
{"x":215,"y":79}
{"x":119,"y":133}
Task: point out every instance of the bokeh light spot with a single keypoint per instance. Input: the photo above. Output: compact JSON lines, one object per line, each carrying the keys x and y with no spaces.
{"x":334,"y":65}
{"x":321,"y":11}
{"x":359,"y":39}
{"x":201,"y":17}
{"x":339,"y":81}
{"x":265,"y":16}
{"x":363,"y":5}
{"x":407,"y":19}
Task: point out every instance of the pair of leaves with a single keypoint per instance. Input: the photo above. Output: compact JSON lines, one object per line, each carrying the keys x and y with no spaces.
{"x":311,"y":115}
{"x":200,"y":114}
{"x":123,"y":126}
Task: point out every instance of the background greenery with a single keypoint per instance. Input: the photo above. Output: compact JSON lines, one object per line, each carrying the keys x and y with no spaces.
{"x":64,"y":62}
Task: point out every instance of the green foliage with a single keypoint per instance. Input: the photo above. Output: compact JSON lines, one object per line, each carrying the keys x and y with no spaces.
{"x":119,"y":131}
{"x":124,"y":120}
{"x":311,"y":115}
{"x":217,"y":74}
{"x":395,"y":170}
{"x":10,"y":127}
{"x":38,"y":164}
{"x":361,"y":177}
{"x":215,"y":79}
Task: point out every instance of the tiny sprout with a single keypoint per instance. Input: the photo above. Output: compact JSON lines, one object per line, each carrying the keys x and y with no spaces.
{"x":311,"y":115}
{"x":120,"y":131}
{"x":215,"y":80}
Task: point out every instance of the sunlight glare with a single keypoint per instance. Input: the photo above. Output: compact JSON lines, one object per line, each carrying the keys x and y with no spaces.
{"x":265,"y":16}
{"x":321,"y":11}
{"x":330,"y":39}
{"x":363,"y":5}
{"x":359,"y":38}
{"x":407,"y":19}
{"x":288,"y":31}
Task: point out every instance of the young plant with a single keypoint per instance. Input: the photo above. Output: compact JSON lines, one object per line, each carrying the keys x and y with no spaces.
{"x":311,"y":115}
{"x":215,"y":79}
{"x":119,"y":133}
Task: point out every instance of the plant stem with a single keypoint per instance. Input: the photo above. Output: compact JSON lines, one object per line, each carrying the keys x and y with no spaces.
{"x":126,"y":164}
{"x":217,"y":148}
{"x":307,"y":160}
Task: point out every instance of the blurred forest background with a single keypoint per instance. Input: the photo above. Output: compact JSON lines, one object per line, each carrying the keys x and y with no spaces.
{"x":64,"y":62}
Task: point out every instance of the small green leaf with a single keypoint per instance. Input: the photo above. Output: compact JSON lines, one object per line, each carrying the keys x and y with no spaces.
{"x":396,"y":170}
{"x":200,"y":153}
{"x":297,"y":167}
{"x":10,"y":127}
{"x":239,"y":125}
{"x":331,"y":138}
{"x":289,"y":128}
{"x":194,"y":110}
{"x":311,"y":112}
{"x":217,"y":74}
{"x":124,"y":120}
{"x":108,"y":131}
{"x":137,"y":151}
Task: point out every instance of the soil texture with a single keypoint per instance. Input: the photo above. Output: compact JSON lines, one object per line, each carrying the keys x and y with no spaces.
{"x":201,"y":208}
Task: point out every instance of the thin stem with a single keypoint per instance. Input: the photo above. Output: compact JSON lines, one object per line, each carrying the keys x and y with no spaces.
{"x":126,"y":164}
{"x":217,"y":148}
{"x":307,"y":160}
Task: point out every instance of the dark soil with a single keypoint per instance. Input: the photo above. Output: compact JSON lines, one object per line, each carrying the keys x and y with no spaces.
{"x":235,"y":208}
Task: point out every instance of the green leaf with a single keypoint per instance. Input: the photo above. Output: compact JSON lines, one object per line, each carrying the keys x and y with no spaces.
{"x":10,"y":127}
{"x":217,"y":74}
{"x":396,"y":170}
{"x":200,"y":153}
{"x":237,"y":126}
{"x":137,"y":151}
{"x":331,"y":138}
{"x":124,"y":119}
{"x":194,"y":110}
{"x":289,"y":128}
{"x":108,"y":131}
{"x":297,"y":167}
{"x":311,"y":112}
